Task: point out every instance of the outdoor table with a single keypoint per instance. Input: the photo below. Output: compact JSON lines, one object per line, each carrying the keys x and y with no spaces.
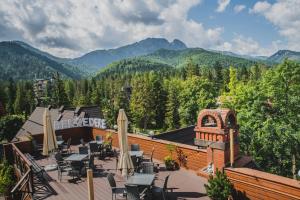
{"x":138,"y":154}
{"x":141,"y":179}
{"x":60,"y":142}
{"x":76,"y":157}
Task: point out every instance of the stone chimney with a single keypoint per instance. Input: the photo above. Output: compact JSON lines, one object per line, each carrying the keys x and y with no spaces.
{"x":213,"y":134}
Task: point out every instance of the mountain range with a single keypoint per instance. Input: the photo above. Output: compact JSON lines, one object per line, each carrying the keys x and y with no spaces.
{"x":19,"y":60}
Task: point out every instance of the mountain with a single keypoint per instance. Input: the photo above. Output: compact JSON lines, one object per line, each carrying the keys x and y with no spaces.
{"x":18,"y":60}
{"x":229,"y":53}
{"x":166,"y":60}
{"x":95,"y":60}
{"x":280,"y":55}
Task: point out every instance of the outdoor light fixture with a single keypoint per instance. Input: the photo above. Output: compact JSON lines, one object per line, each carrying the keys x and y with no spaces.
{"x":116,"y":127}
{"x":151,"y":133}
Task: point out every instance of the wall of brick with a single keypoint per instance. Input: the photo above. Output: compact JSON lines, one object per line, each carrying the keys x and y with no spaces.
{"x":255,"y":184}
{"x":196,"y":158}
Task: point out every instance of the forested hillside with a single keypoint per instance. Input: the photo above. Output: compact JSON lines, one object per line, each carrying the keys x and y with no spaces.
{"x":199,"y":57}
{"x":163,"y":59}
{"x":20,"y":63}
{"x":133,"y":66}
{"x":266,"y":101}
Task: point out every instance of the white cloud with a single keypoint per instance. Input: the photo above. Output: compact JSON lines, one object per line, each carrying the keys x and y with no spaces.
{"x":285,"y":15}
{"x":222,"y":4}
{"x":70,"y":28}
{"x":248,"y":46}
{"x":239,"y":8}
{"x":260,"y":6}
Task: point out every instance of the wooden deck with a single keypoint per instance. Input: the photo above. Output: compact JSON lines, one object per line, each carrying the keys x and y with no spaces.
{"x":188,"y":184}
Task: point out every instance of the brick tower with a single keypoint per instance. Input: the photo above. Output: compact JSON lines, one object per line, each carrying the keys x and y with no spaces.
{"x":213,"y":133}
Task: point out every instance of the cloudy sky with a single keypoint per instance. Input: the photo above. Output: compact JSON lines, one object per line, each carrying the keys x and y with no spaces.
{"x":70,"y":28}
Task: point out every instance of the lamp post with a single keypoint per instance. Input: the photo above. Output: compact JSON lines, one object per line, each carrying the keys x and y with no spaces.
{"x":151,"y":133}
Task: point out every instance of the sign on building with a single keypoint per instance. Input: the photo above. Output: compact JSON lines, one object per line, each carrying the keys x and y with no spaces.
{"x":80,"y":122}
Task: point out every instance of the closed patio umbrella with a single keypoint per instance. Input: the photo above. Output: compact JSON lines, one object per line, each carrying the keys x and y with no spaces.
{"x":125,"y":163}
{"x":50,"y":143}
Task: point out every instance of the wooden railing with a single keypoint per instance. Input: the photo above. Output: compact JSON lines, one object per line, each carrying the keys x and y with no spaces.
{"x":24,"y":189}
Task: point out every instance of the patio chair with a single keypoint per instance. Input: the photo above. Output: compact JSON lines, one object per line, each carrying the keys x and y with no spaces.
{"x":83,"y":150}
{"x":67,"y":148}
{"x":93,"y":147}
{"x":91,"y":162}
{"x":116,"y":156}
{"x":135,"y":147}
{"x":62,"y":166}
{"x":133,"y":192}
{"x":151,"y":156}
{"x":148,"y":168}
{"x":76,"y":169}
{"x":59,"y":138}
{"x":135,"y":163}
{"x":114,"y":189}
{"x":82,"y":142}
{"x":162,"y":192}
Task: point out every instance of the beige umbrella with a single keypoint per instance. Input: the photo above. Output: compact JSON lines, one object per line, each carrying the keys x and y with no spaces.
{"x":50,"y":143}
{"x":125,"y":163}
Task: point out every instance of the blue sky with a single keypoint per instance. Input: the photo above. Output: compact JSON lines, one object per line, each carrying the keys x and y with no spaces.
{"x":243,"y":22}
{"x":70,"y":28}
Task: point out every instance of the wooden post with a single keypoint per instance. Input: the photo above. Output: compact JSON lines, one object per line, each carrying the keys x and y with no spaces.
{"x":231,"y":147}
{"x":90,"y":184}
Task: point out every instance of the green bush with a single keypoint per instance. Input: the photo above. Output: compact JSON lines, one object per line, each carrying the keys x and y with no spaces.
{"x":7,"y":178}
{"x":219,"y":187}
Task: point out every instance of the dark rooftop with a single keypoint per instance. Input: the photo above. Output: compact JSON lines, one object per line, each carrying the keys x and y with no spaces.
{"x":34,"y":124}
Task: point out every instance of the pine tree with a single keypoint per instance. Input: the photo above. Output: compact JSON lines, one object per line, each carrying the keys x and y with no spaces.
{"x":19,"y":103}
{"x":172,"y":118}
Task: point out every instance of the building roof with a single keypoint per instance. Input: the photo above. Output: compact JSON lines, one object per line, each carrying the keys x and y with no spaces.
{"x":184,"y":135}
{"x":34,"y":124}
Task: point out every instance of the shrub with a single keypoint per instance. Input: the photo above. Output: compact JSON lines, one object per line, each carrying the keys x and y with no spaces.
{"x":9,"y":126}
{"x":7,"y":179}
{"x":219,"y":187}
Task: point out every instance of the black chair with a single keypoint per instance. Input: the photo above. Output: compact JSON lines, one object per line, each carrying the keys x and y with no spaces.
{"x":82,"y":142}
{"x":76,"y":169}
{"x":148,"y":168}
{"x":151,"y":156}
{"x":91,"y":162}
{"x":62,"y":166}
{"x":116,"y":156}
{"x":114,"y":189}
{"x":83,"y":150}
{"x":162,"y":192}
{"x":133,"y":192}
{"x":94,"y":148}
{"x":67,"y":148}
{"x":135,"y":147}
{"x":135,"y":163}
{"x":59,"y":138}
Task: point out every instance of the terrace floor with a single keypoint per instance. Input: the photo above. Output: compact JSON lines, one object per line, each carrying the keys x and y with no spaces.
{"x":188,"y":185}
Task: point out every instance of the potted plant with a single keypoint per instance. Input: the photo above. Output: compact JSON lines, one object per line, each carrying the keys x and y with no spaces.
{"x":170,"y":163}
{"x":7,"y":179}
{"x":219,"y":187}
{"x":108,"y":144}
